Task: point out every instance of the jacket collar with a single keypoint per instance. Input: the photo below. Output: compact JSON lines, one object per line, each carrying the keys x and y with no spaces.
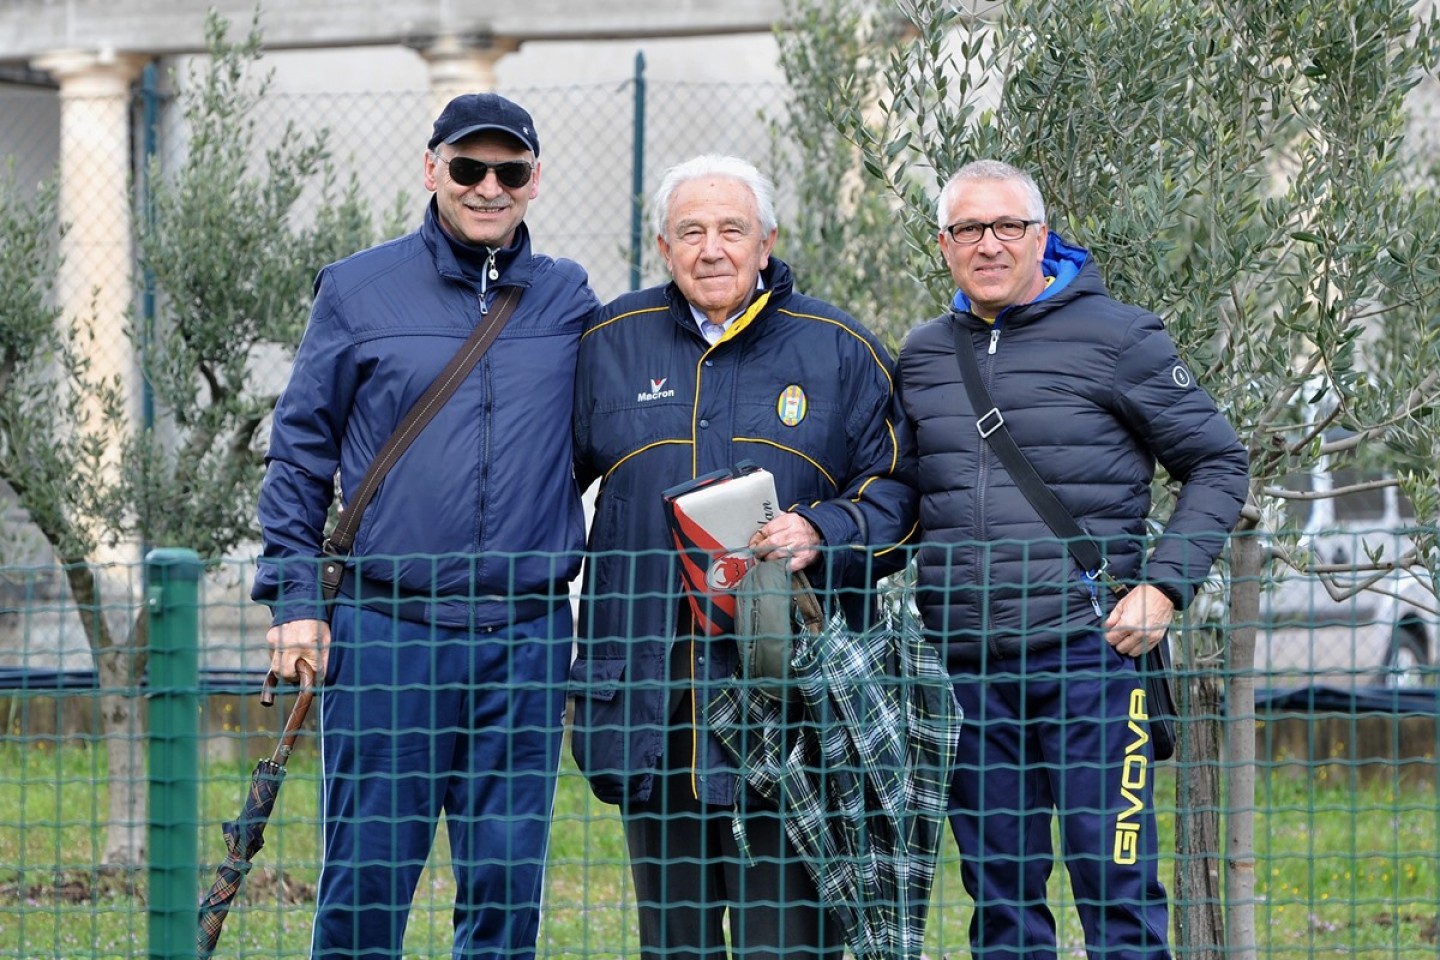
{"x":778,"y":284}
{"x":513,"y":262}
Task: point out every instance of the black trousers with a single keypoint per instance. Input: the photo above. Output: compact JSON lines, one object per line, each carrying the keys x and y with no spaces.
{"x":689,"y":873}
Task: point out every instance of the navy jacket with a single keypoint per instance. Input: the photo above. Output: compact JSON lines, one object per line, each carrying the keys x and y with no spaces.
{"x":482,"y":509}
{"x":1094,"y":393}
{"x":796,"y":386}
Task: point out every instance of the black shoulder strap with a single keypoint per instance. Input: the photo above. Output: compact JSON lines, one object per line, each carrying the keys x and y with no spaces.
{"x":991,"y":424}
{"x":336,"y":547}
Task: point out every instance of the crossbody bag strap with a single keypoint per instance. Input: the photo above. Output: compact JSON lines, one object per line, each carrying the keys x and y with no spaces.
{"x":336,"y":548}
{"x":991,"y":424}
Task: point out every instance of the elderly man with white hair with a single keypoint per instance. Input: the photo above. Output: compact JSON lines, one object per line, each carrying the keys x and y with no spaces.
{"x":725,"y":363}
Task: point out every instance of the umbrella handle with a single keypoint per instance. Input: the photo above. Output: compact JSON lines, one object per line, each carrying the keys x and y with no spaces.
{"x":297,"y":712}
{"x":272,"y":679}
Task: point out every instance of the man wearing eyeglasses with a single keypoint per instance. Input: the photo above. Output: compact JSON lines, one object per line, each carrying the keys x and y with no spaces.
{"x":1043,"y":657}
{"x":445,"y":657}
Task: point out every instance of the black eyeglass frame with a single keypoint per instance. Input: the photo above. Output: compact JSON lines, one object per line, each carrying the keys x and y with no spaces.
{"x":1024,"y":226}
{"x":512,"y":174}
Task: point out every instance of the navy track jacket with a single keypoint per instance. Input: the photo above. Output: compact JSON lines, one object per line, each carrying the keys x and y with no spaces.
{"x":796,"y":386}
{"x":482,"y":508}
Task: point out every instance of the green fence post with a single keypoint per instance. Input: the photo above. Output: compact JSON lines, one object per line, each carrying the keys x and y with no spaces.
{"x":172,"y":601}
{"x":637,"y":176}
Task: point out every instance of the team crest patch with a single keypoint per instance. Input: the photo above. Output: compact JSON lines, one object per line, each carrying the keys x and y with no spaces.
{"x":792,"y":405}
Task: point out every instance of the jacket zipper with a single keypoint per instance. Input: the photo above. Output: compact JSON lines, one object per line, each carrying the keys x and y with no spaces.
{"x":491,"y":272}
{"x":1091,"y":583}
{"x":982,"y":486}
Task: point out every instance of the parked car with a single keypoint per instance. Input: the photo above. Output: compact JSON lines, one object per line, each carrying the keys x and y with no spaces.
{"x":1382,"y":634}
{"x":1349,"y":627}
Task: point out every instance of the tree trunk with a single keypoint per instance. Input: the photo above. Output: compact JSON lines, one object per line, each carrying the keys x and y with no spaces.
{"x":1247,"y":555}
{"x":125,"y":751}
{"x":118,"y":669}
{"x":1199,"y":914}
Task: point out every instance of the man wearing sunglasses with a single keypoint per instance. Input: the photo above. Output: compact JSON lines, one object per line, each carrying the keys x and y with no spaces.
{"x":444,"y":657}
{"x":1042,"y":651}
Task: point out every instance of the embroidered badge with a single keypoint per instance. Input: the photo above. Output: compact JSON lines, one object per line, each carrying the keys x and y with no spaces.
{"x":1181,"y":376}
{"x":792,"y":405}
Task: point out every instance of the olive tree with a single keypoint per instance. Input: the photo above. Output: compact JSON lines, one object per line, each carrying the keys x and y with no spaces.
{"x":1250,"y":171}
{"x":230,"y":263}
{"x":842,"y":231}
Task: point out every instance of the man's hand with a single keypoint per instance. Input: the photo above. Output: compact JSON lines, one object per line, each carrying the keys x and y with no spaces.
{"x":299,"y":640}
{"x":788,"y":535}
{"x":1139,"y":620}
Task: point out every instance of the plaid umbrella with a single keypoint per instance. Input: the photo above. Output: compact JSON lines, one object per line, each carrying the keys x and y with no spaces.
{"x":245,"y":835}
{"x":863,"y":780}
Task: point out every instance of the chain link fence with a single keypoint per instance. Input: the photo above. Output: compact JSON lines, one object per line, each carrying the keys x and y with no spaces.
{"x":593,"y":138}
{"x":29,"y":131}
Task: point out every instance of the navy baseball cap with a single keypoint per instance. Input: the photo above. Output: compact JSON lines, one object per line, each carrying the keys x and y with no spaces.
{"x":472,"y":113}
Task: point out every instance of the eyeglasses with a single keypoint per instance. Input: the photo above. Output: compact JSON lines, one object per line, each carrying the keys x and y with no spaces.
{"x":512,"y":174}
{"x":1006,"y":228}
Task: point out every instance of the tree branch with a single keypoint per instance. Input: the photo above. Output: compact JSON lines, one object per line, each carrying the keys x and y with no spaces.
{"x":1284,"y":493}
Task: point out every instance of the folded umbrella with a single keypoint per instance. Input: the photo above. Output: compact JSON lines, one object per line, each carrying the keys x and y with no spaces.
{"x":245,"y":835}
{"x":863,"y":782}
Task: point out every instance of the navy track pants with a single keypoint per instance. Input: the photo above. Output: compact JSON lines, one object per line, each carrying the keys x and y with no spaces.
{"x":1058,"y":733}
{"x":417,"y":720}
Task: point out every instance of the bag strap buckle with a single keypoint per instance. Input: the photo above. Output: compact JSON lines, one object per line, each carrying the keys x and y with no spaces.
{"x":992,"y":420}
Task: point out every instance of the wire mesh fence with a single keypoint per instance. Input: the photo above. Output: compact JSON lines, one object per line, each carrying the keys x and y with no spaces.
{"x":1346,"y":814}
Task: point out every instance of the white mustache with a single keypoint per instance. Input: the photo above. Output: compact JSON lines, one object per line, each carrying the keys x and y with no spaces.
{"x":492,"y":206}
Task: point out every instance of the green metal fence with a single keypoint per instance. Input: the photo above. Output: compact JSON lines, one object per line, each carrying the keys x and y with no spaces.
{"x":1347,"y":822}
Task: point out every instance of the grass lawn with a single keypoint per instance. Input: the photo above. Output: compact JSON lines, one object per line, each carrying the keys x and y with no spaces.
{"x":1342,"y":869}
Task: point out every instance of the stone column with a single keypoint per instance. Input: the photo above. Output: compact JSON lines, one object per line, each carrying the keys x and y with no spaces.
{"x":462,"y":65}
{"x":94,"y":284}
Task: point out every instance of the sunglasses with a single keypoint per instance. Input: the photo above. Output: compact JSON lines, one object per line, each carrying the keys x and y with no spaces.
{"x":512,"y":174}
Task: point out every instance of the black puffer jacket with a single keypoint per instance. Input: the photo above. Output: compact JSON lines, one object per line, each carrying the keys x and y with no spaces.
{"x":1094,"y":392}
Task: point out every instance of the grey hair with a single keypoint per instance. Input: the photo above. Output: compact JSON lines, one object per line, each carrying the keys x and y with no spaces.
{"x":716,"y":165}
{"x":990,"y":170}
